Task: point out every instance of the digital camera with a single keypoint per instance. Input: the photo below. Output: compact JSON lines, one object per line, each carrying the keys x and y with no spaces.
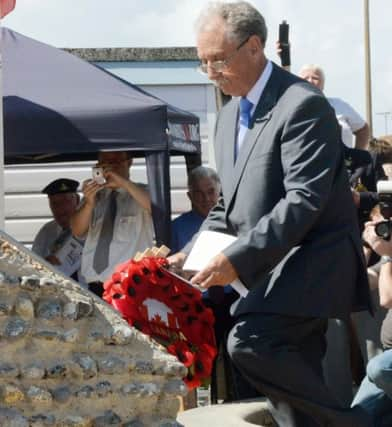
{"x":384,"y":228}
{"x":98,"y":176}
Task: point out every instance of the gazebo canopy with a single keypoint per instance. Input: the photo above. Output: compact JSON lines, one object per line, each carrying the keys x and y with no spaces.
{"x":58,"y":107}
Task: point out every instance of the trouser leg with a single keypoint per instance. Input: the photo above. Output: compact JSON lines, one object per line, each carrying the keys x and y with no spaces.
{"x":379,"y":371}
{"x":375,"y":392}
{"x":368,"y":328}
{"x":336,"y":363}
{"x":281,"y":357}
{"x":237,"y":387}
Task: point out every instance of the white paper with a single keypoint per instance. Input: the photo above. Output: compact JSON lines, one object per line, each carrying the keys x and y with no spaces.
{"x":70,"y":256}
{"x":209,"y":244}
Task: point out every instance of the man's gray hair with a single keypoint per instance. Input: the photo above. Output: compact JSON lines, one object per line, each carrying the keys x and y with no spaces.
{"x":202,"y":172}
{"x":315,"y":68}
{"x":241,"y":18}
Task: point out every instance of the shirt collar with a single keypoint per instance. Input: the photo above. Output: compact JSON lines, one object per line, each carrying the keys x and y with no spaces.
{"x":256,"y":92}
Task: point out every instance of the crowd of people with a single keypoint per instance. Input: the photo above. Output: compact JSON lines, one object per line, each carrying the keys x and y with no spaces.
{"x":296,"y":183}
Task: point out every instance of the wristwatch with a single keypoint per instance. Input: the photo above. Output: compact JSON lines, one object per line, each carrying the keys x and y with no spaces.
{"x":385,"y":259}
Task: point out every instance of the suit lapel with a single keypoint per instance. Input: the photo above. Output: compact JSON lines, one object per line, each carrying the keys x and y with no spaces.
{"x":227,"y":143}
{"x":260,"y":118}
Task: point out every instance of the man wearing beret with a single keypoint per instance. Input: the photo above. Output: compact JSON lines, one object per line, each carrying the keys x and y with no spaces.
{"x":63,"y":201}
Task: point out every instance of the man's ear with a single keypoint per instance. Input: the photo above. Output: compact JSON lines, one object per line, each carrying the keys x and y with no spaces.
{"x":255,"y":44}
{"x":189,"y":196}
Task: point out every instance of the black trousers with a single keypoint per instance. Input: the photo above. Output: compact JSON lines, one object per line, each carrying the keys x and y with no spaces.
{"x":237,"y":387}
{"x":281,"y":357}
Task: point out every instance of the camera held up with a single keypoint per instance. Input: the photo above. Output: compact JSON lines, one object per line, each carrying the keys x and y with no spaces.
{"x":384,"y":228}
{"x":98,"y":176}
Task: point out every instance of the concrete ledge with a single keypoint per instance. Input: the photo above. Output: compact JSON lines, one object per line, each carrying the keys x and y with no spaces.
{"x":245,"y":413}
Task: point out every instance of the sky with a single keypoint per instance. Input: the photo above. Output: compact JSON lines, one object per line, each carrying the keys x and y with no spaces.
{"x":328,"y":33}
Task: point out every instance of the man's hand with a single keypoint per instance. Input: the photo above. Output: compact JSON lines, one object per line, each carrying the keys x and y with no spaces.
{"x":114,"y":180}
{"x":279,"y":50}
{"x":378,"y":244}
{"x":52,"y":259}
{"x":219,"y":272}
{"x":176,"y":262}
{"x":90,"y":189}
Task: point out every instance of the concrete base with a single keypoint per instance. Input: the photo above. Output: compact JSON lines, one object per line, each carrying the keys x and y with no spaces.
{"x":245,"y":413}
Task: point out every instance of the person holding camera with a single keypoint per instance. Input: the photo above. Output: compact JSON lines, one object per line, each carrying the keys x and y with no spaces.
{"x":114,"y":216}
{"x":375,"y":392}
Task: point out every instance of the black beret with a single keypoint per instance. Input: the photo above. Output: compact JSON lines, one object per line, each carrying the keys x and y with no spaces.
{"x":61,"y":185}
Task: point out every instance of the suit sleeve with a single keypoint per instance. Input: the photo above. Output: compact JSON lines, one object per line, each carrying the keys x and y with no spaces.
{"x":310,"y":155}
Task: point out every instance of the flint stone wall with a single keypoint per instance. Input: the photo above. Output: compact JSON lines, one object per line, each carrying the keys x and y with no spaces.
{"x":68,"y":359}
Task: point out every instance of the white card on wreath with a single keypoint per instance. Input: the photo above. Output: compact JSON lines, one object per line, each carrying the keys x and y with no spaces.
{"x":209,"y":244}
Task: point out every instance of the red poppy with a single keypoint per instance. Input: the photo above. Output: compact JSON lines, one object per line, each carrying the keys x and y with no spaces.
{"x":192,"y":381}
{"x":120,"y":268}
{"x":208,"y":349}
{"x":183,"y":352}
{"x":203,"y":363}
{"x":129,"y":311}
{"x":112,"y":292}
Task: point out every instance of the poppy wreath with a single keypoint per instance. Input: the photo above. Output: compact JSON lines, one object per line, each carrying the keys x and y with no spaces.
{"x":169,"y":310}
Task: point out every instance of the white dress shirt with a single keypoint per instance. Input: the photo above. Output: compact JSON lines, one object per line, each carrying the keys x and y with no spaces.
{"x":350,"y":121}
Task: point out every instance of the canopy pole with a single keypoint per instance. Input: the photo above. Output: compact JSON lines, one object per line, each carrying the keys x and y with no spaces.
{"x":2,"y":194}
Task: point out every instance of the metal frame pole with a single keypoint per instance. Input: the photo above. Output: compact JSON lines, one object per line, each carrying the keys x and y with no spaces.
{"x":368,"y":77}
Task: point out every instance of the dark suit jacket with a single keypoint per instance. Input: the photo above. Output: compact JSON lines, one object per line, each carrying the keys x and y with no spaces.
{"x":288,"y":200}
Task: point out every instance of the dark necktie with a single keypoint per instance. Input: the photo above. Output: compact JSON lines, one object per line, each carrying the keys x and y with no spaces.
{"x":101,"y":255}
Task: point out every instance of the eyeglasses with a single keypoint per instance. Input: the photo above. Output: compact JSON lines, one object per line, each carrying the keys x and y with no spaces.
{"x":220,"y":65}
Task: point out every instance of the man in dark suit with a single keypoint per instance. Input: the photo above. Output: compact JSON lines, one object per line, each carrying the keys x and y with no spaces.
{"x":286,"y":196}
